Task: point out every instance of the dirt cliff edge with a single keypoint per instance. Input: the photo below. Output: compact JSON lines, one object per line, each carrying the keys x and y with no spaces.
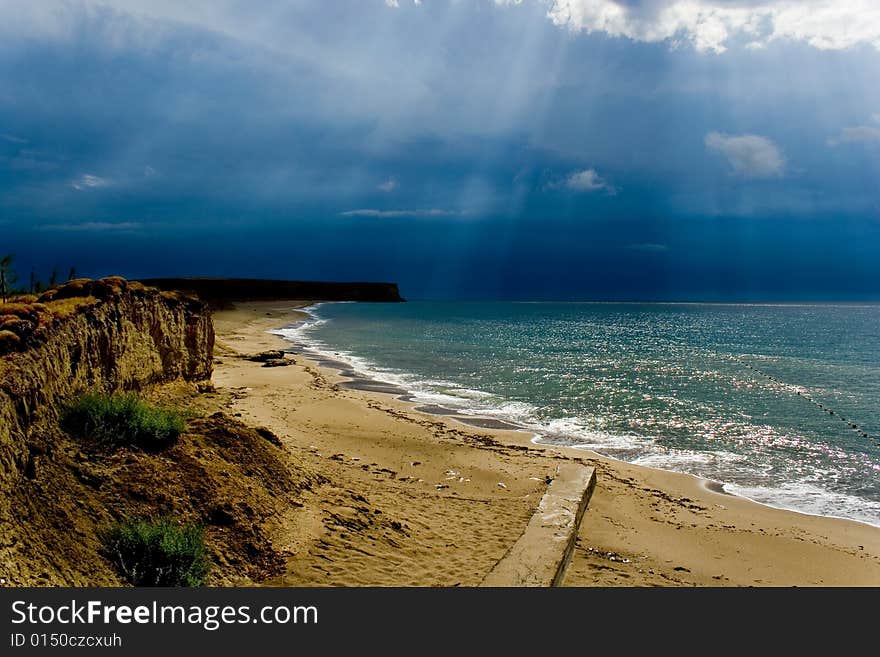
{"x":110,"y":336}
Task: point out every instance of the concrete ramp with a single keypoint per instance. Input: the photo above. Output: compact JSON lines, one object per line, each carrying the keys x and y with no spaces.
{"x":541,"y":555}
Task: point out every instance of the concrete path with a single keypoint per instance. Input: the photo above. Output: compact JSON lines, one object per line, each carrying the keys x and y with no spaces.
{"x":541,"y":555}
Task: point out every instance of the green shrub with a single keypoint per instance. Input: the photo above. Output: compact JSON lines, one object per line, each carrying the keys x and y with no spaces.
{"x":157,"y":552}
{"x":117,"y":420}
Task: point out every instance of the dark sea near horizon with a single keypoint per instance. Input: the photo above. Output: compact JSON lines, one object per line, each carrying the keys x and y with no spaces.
{"x":780,"y":403}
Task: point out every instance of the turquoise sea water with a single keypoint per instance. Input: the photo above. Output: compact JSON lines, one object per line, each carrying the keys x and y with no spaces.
{"x":762,"y":398}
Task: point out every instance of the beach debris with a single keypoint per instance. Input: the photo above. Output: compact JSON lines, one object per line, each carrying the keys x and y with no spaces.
{"x":501,"y":484}
{"x":415,"y":463}
{"x":453,"y":473}
{"x":264,"y":356}
{"x":278,"y":362}
{"x":441,"y":486}
{"x":610,"y":556}
{"x":355,"y":458}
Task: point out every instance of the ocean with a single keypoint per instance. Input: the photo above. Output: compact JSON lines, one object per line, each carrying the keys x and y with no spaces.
{"x":779,"y":403}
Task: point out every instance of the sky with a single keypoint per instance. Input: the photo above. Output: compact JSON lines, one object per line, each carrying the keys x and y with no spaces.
{"x":477,"y":149}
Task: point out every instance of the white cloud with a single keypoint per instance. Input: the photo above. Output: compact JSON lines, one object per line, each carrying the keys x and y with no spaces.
{"x":95,"y":226}
{"x":586,"y":180}
{"x":88,"y":181}
{"x":386,"y":214}
{"x":709,"y":25}
{"x":860,"y":134}
{"x":389,"y":185}
{"x":751,"y":156}
{"x":13,"y":139}
{"x":648,"y":247}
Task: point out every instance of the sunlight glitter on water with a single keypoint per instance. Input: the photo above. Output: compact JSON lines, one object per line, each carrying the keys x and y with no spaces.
{"x":741,"y":397}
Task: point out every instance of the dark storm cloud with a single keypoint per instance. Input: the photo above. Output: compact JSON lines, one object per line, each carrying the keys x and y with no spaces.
{"x":211,"y":136}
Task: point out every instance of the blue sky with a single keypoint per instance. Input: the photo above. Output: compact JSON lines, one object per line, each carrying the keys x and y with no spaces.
{"x":648,"y":149}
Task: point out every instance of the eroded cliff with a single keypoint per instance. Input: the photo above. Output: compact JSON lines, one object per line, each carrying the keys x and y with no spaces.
{"x":93,"y":336}
{"x":57,"y":492}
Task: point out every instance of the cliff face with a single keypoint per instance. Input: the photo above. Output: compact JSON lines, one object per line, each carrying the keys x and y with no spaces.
{"x":57,"y":491}
{"x":122,"y":337}
{"x":86,"y":336}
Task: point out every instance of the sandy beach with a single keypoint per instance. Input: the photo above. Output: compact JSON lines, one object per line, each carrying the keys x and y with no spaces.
{"x":418,"y":499}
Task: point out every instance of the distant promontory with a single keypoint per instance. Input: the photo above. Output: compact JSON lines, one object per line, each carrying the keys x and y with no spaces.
{"x":217,"y":291}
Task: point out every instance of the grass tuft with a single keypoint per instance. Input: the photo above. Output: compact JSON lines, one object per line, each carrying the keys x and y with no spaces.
{"x":157,"y":552}
{"x":122,"y":420}
{"x":65,"y":307}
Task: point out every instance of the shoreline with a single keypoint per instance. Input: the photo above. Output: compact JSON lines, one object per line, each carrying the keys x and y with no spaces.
{"x":643,"y":520}
{"x":368,"y":383}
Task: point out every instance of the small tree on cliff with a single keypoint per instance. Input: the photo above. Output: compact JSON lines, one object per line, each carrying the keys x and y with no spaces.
{"x":7,"y":276}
